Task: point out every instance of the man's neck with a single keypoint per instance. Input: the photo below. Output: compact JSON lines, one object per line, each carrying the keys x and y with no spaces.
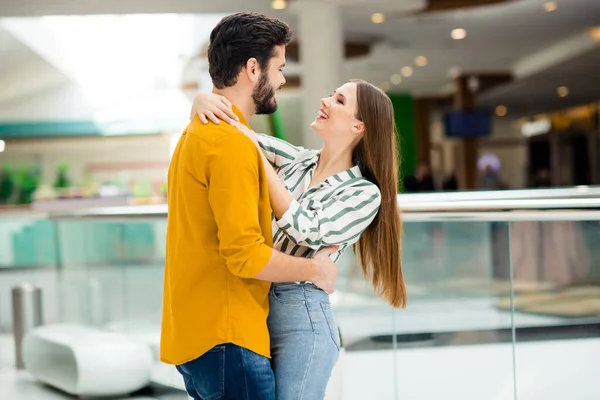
{"x":242,"y":100}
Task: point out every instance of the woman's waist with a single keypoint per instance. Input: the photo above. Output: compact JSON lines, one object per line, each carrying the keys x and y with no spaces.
{"x":296,"y":287}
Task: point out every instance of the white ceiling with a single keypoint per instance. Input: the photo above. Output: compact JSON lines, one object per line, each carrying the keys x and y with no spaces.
{"x":538,"y":94}
{"x":499,"y":37}
{"x":22,"y":71}
{"x":19,"y":8}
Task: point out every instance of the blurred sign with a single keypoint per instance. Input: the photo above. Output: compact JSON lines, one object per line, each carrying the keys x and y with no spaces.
{"x":534,"y":128}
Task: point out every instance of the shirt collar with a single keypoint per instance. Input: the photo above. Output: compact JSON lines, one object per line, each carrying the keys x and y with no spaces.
{"x":239,"y":114}
{"x":341,"y":177}
{"x":348,"y":174}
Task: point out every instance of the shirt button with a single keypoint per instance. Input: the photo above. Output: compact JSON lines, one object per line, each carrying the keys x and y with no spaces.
{"x":303,"y":301}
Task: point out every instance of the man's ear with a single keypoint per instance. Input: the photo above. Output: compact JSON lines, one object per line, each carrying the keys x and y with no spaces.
{"x":252,"y":69}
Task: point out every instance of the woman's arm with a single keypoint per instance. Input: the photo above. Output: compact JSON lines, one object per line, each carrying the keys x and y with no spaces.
{"x":211,"y":106}
{"x":280,"y":197}
{"x":339,"y":220}
{"x":278,"y":152}
{"x":214,"y":107}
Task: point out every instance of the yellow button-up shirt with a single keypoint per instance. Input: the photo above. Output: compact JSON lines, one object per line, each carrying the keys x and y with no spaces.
{"x":218,"y":238}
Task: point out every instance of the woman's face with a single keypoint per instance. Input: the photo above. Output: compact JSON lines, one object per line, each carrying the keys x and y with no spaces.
{"x":337,"y":120}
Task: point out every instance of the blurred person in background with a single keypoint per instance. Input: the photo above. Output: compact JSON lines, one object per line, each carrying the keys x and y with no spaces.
{"x":424,"y":178}
{"x":542,"y":179}
{"x":450,"y":183}
{"x":345,"y":195}
{"x":220,"y":262}
{"x":410,"y":183}
{"x":489,"y":167}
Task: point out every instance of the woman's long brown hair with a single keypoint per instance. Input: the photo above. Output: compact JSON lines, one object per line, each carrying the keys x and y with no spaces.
{"x":380,"y":246}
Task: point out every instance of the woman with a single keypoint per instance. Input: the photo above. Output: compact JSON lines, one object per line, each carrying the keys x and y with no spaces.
{"x":341,"y":195}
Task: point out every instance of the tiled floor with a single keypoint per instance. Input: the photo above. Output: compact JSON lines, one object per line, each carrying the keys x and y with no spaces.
{"x":18,"y":385}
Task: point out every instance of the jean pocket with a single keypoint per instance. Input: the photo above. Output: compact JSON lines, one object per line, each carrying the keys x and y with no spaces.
{"x":207,"y":374}
{"x":333,"y":328}
{"x":289,"y":294}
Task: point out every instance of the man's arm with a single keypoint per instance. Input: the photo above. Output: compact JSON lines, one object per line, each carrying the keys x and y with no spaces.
{"x":319,"y":270}
{"x":233,"y":193}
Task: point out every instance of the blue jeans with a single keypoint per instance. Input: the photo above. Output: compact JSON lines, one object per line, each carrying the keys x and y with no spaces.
{"x":229,"y":372}
{"x":305,"y":341}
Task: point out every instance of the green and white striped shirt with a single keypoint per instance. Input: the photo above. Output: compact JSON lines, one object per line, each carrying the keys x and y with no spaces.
{"x":335,"y":212}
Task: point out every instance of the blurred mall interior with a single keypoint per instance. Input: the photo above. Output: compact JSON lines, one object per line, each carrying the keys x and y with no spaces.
{"x":497,"y":105}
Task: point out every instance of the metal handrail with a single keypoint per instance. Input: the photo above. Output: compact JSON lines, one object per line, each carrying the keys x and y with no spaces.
{"x":581,"y":198}
{"x":502,"y":205}
{"x":481,"y":206}
{"x":504,"y":216}
{"x":550,"y":193}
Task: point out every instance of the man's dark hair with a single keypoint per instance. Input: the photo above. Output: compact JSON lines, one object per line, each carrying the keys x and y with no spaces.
{"x":239,"y":37}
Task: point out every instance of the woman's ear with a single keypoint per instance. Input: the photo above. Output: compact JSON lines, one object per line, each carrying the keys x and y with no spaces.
{"x":359,"y":128}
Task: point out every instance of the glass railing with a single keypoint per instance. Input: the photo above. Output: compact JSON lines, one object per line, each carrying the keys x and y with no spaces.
{"x":27,"y":240}
{"x":504,"y":294}
{"x":28,"y":253}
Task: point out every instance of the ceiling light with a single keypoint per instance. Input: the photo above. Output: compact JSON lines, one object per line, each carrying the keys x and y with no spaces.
{"x":536,"y":127}
{"x":278,"y":4}
{"x":407,"y":71}
{"x":458,"y":34}
{"x":501,"y":111}
{"x":378,"y":18}
{"x":385,"y":86}
{"x":396,"y":79}
{"x":421,"y":61}
{"x":563,"y":91}
{"x":473,"y":83}
{"x":550,"y":6}
{"x":595,"y":33}
{"x":2,"y":145}
{"x":455,"y":71}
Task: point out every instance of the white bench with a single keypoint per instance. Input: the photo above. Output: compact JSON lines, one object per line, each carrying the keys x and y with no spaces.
{"x":83,"y":361}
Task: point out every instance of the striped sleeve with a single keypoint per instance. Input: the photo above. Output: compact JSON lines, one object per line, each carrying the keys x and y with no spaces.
{"x":279,"y":152}
{"x":341,"y":222}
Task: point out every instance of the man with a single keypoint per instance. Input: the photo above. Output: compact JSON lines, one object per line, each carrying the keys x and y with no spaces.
{"x":219,"y":261}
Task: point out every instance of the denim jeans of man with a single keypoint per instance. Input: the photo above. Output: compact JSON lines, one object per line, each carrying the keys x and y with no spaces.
{"x":229,"y":372}
{"x":305,"y":341}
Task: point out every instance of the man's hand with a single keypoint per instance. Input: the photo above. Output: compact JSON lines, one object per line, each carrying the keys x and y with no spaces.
{"x":326,"y":270}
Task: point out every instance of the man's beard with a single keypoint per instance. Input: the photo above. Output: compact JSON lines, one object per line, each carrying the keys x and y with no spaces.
{"x":264,"y":96}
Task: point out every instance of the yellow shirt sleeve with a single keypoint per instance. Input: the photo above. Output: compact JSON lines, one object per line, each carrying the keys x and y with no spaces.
{"x":233,"y":195}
